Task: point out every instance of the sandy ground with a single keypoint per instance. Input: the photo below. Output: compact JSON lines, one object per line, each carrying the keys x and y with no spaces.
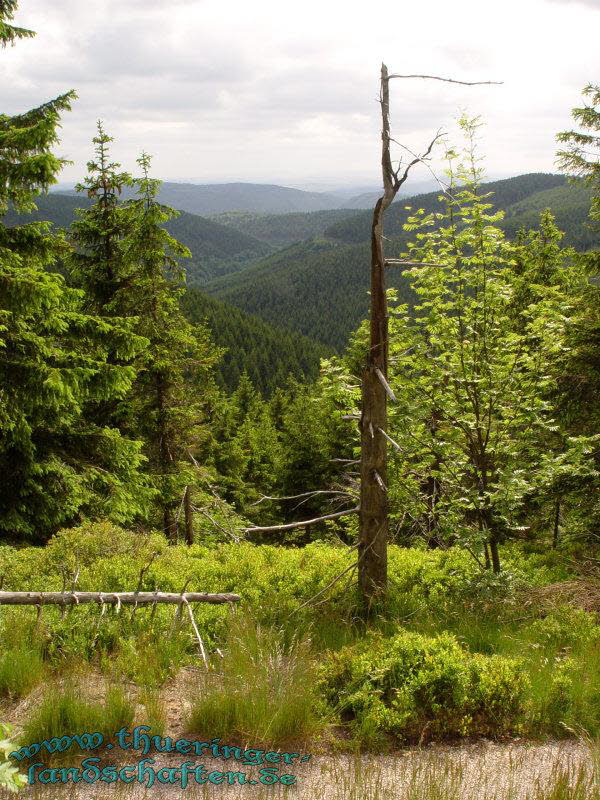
{"x":480,"y":771}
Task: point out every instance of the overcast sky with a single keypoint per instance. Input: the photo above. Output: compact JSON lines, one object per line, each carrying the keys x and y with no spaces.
{"x":283,"y":91}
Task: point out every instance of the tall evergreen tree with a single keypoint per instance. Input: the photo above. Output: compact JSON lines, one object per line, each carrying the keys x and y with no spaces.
{"x":578,"y":368}
{"x":98,"y":261}
{"x":55,"y":465}
{"x":581,"y":158}
{"x":174,"y":377}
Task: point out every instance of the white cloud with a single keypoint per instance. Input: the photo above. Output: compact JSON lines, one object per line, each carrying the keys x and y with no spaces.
{"x":248,"y":91}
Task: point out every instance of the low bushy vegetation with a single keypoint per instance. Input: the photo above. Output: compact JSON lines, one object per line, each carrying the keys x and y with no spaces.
{"x":456,"y":653}
{"x":415,"y":687}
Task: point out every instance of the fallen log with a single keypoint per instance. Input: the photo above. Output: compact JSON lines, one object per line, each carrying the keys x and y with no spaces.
{"x":112,"y":598}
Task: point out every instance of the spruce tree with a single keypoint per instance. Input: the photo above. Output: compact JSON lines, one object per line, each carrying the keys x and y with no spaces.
{"x":581,"y":158}
{"x":55,"y":465}
{"x":174,"y":377}
{"x":99,"y":232}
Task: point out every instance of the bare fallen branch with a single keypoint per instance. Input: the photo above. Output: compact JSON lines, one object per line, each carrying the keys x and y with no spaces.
{"x":197,"y":632}
{"x":290,"y":525}
{"x":112,"y":598}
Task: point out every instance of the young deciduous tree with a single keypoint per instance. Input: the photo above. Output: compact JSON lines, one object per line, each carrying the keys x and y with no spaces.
{"x":471,"y":370}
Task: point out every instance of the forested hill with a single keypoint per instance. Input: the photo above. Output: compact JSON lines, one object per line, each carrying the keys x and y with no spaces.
{"x":283,"y":229}
{"x":267,"y":354}
{"x":216,"y":249}
{"x":506,"y":193}
{"x":320,"y":287}
{"x":316,"y":288}
{"x":570,"y":205}
{"x":216,"y":198}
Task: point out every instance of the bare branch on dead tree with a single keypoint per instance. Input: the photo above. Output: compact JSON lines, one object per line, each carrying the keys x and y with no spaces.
{"x":448,"y":80}
{"x":416,"y":160}
{"x":405,"y":262}
{"x":389,"y":438}
{"x":386,"y":386}
{"x":425,"y":161}
{"x":205,"y":513}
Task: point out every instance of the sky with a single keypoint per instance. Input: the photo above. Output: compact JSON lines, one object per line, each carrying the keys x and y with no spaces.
{"x":274,"y":91}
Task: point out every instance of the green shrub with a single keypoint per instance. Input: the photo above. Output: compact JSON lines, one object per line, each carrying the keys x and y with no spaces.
{"x":413,"y":686}
{"x":565,"y":627}
{"x":10,"y":778}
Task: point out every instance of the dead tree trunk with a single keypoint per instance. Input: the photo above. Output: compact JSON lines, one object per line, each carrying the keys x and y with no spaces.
{"x":373,"y":531}
{"x":372,"y":571}
{"x":188,"y":515}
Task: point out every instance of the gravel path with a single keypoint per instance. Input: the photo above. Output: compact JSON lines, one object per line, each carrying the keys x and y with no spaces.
{"x":482,"y":771}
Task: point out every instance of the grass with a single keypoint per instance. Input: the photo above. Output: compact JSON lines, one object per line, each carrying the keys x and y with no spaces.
{"x":66,"y":711}
{"x":20,"y":670}
{"x":154,"y":711}
{"x":263,"y":691}
{"x":149,"y":659}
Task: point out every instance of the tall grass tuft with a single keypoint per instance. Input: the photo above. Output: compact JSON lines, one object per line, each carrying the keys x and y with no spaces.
{"x":264,"y":691}
{"x":65,"y":711}
{"x":20,"y":670}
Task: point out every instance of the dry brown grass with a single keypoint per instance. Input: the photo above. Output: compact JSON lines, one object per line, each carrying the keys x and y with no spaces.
{"x":581,"y":593}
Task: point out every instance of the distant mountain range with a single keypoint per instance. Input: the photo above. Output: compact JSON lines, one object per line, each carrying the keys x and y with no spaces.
{"x":216,"y":249}
{"x":257,"y":198}
{"x":299,"y":280}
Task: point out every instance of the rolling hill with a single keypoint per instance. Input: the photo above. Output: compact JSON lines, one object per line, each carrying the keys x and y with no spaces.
{"x":262,"y":198}
{"x":267,"y":354}
{"x":320,"y":287}
{"x":506,"y":192}
{"x":216,"y":249}
{"x":283,"y":229}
